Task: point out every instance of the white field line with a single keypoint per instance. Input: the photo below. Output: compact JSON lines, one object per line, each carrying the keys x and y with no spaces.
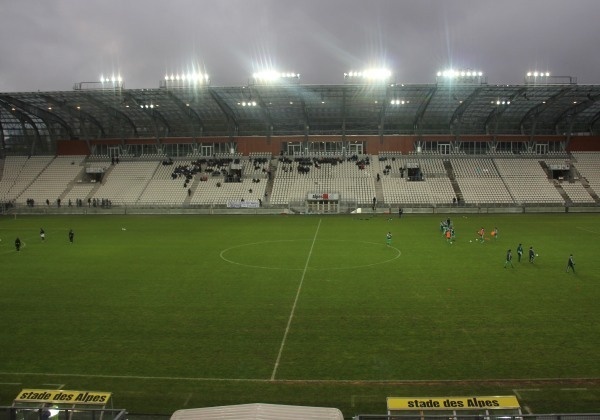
{"x":331,"y":381}
{"x":58,"y":386}
{"x":587,"y":230}
{"x":287,"y":328}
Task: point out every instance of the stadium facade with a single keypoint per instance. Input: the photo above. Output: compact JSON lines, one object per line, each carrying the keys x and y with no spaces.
{"x":264,"y":135}
{"x":449,"y":116}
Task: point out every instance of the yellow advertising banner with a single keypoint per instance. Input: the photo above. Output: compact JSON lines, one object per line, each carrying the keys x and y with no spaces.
{"x":504,"y":402}
{"x":61,"y":396}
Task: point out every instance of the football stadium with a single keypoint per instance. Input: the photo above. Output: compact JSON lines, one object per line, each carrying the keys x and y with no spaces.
{"x":366,"y":250}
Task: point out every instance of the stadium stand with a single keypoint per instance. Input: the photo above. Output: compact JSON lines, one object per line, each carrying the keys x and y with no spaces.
{"x":126,"y":182}
{"x":527,"y":181}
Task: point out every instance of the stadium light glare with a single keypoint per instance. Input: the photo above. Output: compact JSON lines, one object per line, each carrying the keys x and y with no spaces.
{"x":371,"y":75}
{"x":536,"y":77}
{"x":460,"y":76}
{"x":247,"y":103}
{"x":274,"y":76}
{"x":499,"y":102}
{"x":536,"y":73}
{"x":185,"y":79}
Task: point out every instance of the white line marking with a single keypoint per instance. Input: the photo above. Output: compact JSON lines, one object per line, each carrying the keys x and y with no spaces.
{"x":225,"y":251}
{"x":58,"y":386}
{"x":287,"y":328}
{"x":329,"y":381}
{"x":187,"y":400}
{"x":573,"y":389}
{"x":587,"y":230}
{"x":10,"y":383}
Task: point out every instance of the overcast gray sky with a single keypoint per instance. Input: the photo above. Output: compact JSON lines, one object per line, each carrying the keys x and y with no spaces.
{"x":52,"y":44}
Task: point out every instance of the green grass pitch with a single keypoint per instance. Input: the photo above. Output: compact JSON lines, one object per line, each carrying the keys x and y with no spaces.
{"x":171,"y":312}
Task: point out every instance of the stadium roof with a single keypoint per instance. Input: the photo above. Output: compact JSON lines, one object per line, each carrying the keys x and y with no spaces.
{"x":279,"y":110}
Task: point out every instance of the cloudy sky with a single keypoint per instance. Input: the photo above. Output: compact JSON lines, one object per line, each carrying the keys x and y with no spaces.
{"x":52,"y":44}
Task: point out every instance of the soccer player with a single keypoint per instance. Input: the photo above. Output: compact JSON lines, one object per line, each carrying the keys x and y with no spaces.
{"x":520,"y":251}
{"x":18,"y":244}
{"x":531,"y":254}
{"x":570,"y":264}
{"x":71,"y":235}
{"x":495,"y":233}
{"x":388,"y":239}
{"x":508,"y":259}
{"x":481,"y":234}
{"x":42,"y":234}
{"x":448,"y":235}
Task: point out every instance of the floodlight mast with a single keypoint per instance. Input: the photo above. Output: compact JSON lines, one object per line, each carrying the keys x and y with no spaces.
{"x":273,"y":77}
{"x":461,"y":77}
{"x":115,"y":82}
{"x":545,"y":78}
{"x":184,"y":80}
{"x":368,"y":76}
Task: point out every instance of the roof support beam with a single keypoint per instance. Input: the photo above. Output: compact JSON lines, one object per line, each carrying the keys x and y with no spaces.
{"x":227,"y":111}
{"x":189,"y":112}
{"x":114,"y":111}
{"x":570,"y":113}
{"x":24,"y":118}
{"x":44,"y":115}
{"x":534,"y":113}
{"x":422,"y":108}
{"x":264,"y":109}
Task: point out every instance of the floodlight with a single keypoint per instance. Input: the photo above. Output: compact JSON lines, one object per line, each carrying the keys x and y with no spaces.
{"x":184,"y":79}
{"x":273,"y":76}
{"x":462,"y":76}
{"x":112,"y":82}
{"x":369,"y":75}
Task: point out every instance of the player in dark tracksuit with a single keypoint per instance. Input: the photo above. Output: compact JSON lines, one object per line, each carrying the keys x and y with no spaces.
{"x":570,"y":264}
{"x":509,"y":259}
{"x":520,"y":251}
{"x":531,"y":254}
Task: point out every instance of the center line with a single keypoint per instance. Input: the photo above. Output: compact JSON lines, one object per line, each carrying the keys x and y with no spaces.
{"x":287,"y":328}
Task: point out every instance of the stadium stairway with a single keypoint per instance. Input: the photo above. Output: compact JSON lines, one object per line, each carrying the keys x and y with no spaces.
{"x":547,"y":170}
{"x":586,"y":184}
{"x":563,"y":194}
{"x":2,"y":168}
{"x":270,"y":182}
{"x":379,"y":193}
{"x":148,"y":183}
{"x":503,"y":181}
{"x":70,"y":184}
{"x":589,"y":189}
{"x":98,"y":184}
{"x":193,"y":186}
{"x":450,"y":173}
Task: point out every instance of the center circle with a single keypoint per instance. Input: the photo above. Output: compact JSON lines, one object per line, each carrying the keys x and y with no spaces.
{"x":300,"y":255}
